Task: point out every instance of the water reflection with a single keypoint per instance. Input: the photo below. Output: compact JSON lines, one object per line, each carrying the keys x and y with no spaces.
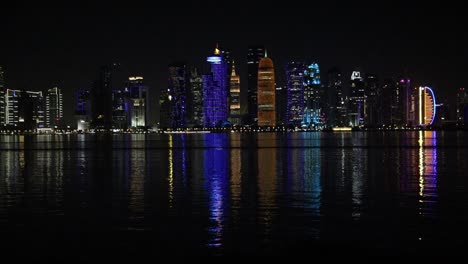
{"x":236,"y":179}
{"x":427,"y":171}
{"x":216,"y":170}
{"x":267,"y":204}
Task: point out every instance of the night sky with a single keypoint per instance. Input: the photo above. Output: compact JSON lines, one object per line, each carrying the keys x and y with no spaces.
{"x":43,"y":45}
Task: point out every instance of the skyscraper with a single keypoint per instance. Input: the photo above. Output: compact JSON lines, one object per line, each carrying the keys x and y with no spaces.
{"x":178,"y":94}
{"x":295,"y":93}
{"x":402,"y":102}
{"x":53,"y":107}
{"x":101,"y":95}
{"x":24,"y":109}
{"x":266,"y":97}
{"x":313,"y":96}
{"x":337,"y":111}
{"x":386,"y":103}
{"x":119,"y":109}
{"x":195,"y":99}
{"x":234,"y":98}
{"x":83,"y":109}
{"x":255,"y":53}
{"x":2,"y":98}
{"x":371,"y":107}
{"x":462,"y":106}
{"x":357,"y":100}
{"x":215,"y":92}
{"x":426,"y":106}
{"x":138,"y":102}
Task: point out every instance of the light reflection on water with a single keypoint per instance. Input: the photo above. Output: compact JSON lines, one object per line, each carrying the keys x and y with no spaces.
{"x":238,"y":191}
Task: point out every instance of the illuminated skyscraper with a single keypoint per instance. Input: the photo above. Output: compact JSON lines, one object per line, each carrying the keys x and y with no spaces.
{"x":215,"y":92}
{"x":266,"y":96}
{"x":295,"y":93}
{"x":53,"y":107}
{"x":426,"y":106}
{"x":24,"y":109}
{"x":254,"y":55}
{"x":178,"y":94}
{"x":234,"y":98}
{"x":356,"y":100}
{"x":2,"y":98}
{"x":138,"y":102}
{"x":195,"y":99}
{"x":313,"y":96}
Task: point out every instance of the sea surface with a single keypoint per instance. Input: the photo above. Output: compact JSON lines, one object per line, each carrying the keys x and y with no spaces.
{"x":305,"y":193}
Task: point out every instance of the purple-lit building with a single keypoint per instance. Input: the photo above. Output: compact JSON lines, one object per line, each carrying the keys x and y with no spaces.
{"x":215,"y":91}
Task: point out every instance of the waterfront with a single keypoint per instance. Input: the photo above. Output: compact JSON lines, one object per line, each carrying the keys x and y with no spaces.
{"x":234,"y":193}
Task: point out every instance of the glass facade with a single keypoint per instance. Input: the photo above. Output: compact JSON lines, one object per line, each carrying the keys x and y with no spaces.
{"x":215,"y":92}
{"x":295,"y":93}
{"x":53,"y":107}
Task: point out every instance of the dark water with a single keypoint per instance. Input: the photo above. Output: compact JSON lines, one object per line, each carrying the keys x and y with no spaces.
{"x":215,"y":194}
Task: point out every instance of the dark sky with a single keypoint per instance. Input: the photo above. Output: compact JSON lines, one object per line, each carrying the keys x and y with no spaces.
{"x":47,"y":44}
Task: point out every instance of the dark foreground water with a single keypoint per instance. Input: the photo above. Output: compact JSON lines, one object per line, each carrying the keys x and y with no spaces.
{"x":216,"y":194}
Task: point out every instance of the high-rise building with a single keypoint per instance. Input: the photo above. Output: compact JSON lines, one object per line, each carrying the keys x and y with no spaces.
{"x":386,"y":110}
{"x":165,"y":109}
{"x":215,"y":92}
{"x":53,"y":107}
{"x":2,"y":98}
{"x":83,"y":109}
{"x":313,"y":97}
{"x":266,"y":97}
{"x":119,"y":109}
{"x":138,"y":102}
{"x":400,"y":102}
{"x":195,"y":99}
{"x":102,"y":103}
{"x":255,"y":53}
{"x":295,"y":93}
{"x":426,"y":106}
{"x":280,"y":105}
{"x":337,"y":109}
{"x":178,"y":93}
{"x":24,"y":109}
{"x":234,"y":98}
{"x":356,"y":100}
{"x":371,"y":112}
{"x":462,"y":106}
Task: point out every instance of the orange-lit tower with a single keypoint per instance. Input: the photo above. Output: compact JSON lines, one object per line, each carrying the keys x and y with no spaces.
{"x":266,"y":98}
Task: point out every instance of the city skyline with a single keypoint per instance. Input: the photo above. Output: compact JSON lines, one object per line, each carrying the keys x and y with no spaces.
{"x":68,"y":45}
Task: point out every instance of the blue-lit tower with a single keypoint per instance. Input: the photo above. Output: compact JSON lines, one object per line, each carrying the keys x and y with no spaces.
{"x":295,"y":93}
{"x":215,"y":91}
{"x":312,"y":97}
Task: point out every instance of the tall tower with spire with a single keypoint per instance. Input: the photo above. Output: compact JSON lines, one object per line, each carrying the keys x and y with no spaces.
{"x":234,"y":97}
{"x":266,"y":97}
{"x":215,"y":91}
